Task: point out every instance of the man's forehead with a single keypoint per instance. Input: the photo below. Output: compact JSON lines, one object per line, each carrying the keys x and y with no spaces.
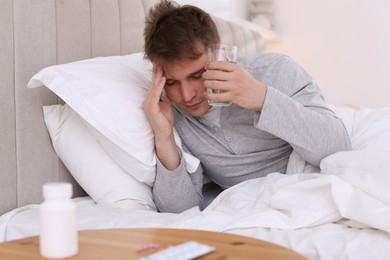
{"x":184,"y":68}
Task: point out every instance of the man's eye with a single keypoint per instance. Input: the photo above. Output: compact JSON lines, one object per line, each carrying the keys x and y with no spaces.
{"x":196,"y":76}
{"x":170,"y":82}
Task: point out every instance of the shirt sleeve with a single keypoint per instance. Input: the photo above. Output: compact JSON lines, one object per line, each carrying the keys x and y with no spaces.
{"x":295,"y":111}
{"x":177,"y":190}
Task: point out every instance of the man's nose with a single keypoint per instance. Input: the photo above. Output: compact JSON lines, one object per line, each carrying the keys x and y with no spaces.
{"x":187,"y":91}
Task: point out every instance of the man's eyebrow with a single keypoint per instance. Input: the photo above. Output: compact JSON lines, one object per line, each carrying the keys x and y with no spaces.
{"x":197,"y":72}
{"x":201,"y":70}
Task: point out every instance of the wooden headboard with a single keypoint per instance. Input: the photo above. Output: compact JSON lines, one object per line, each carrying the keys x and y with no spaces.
{"x":36,"y":34}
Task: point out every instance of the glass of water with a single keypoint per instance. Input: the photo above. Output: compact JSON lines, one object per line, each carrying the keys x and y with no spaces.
{"x":221,"y":52}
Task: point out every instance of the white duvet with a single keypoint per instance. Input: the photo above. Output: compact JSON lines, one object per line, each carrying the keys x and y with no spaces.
{"x":340,"y":211}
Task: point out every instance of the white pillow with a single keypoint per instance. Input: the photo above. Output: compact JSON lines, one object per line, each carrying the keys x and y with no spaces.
{"x":369,"y":129}
{"x":108,"y":93}
{"x":89,"y":163}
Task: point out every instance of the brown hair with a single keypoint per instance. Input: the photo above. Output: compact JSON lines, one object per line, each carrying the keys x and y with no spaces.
{"x":173,"y":32}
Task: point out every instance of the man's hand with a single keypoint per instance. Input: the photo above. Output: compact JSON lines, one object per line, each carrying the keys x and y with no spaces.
{"x":160,"y":116}
{"x":239,"y":85}
{"x":159,"y":113}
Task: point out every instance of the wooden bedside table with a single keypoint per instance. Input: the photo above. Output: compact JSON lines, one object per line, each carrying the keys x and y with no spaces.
{"x":117,"y":244}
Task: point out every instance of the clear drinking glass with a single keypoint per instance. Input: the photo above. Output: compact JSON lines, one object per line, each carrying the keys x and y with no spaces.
{"x":221,"y":52}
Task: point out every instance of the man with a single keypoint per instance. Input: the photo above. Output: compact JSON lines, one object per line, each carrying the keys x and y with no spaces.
{"x":276,"y":108}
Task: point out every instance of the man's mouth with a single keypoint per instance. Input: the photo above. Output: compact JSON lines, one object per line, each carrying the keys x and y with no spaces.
{"x":193,"y":105}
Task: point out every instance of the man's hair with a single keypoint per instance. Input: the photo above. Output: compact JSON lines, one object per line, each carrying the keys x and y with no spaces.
{"x":173,"y":32}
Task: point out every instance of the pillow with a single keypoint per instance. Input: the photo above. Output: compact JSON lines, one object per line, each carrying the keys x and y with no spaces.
{"x":90,"y":165}
{"x":369,"y":129}
{"x":108,"y":93}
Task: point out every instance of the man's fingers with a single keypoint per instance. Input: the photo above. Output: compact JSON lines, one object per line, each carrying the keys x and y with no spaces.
{"x":216,"y":84}
{"x":220,"y":65}
{"x":216,"y":75}
{"x":158,"y":83}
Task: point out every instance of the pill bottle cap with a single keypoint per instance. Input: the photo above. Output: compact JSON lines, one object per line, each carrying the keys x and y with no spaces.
{"x":56,"y":190}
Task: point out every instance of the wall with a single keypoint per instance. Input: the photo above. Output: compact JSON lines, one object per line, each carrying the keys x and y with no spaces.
{"x":221,"y":7}
{"x":343,"y":44}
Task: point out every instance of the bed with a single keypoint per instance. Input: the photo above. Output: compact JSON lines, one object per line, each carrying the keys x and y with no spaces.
{"x":49,"y":133}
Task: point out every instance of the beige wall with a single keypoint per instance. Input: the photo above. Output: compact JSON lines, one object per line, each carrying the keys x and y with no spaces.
{"x":344,"y":44}
{"x":221,"y":7}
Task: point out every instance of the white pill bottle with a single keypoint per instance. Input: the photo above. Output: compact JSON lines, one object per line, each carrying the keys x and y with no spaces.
{"x":58,"y":228}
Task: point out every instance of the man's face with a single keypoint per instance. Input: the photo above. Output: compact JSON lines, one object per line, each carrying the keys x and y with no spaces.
{"x":184,"y":85}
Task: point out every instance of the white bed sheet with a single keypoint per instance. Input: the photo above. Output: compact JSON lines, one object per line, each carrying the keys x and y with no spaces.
{"x":340,"y":212}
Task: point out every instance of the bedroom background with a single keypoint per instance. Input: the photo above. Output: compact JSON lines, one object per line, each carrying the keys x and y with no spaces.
{"x":343,"y":44}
